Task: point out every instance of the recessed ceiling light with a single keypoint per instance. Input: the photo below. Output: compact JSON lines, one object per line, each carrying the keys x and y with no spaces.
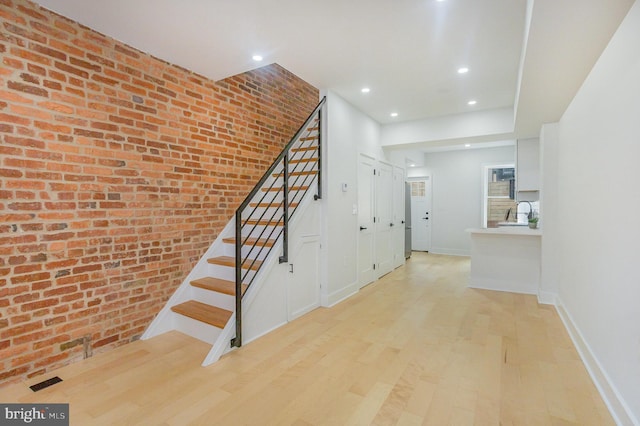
{"x":467,"y":145}
{"x":257,"y":58}
{"x":463,"y":70}
{"x":412,"y":165}
{"x":472,"y":102}
{"x":394,"y":114}
{"x":365,"y":90}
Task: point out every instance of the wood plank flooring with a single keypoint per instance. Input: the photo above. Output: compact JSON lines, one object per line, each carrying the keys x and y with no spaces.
{"x":416,"y":347}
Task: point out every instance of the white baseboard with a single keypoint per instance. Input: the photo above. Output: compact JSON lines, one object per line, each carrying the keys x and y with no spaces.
{"x":547,"y":298}
{"x":340,"y":295}
{"x":450,"y":252}
{"x":615,"y":403}
{"x":501,"y":285}
{"x":247,"y":340}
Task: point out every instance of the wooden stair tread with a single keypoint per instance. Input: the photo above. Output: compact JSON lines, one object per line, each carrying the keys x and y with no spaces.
{"x":303,"y":160}
{"x":305,"y":148}
{"x":291,"y":188}
{"x":302,"y":173}
{"x":208,"y":314}
{"x":231,"y":261}
{"x":272,"y":205}
{"x":263,"y":222}
{"x":308,"y":138}
{"x":263,"y":242}
{"x":218,"y":285}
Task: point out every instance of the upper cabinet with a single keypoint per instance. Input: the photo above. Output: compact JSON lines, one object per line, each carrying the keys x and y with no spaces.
{"x":528,"y":168}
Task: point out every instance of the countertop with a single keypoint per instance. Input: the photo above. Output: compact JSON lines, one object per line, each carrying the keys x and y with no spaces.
{"x":507,"y":230}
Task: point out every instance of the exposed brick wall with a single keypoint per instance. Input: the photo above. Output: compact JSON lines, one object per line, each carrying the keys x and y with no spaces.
{"x":117,"y":171}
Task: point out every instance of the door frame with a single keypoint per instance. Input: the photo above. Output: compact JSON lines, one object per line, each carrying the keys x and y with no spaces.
{"x":399,"y":215}
{"x":371,"y":273}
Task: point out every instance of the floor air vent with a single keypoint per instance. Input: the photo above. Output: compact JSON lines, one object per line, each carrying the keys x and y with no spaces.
{"x":45,"y":384}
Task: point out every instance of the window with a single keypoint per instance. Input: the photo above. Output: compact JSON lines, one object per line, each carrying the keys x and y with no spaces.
{"x":418,"y":189}
{"x":499,"y":187}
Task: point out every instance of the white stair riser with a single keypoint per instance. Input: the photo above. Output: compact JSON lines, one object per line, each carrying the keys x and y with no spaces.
{"x":257,"y":252}
{"x":226,"y":272}
{"x":214,"y":298}
{"x":196,"y":329}
{"x":256,"y":231}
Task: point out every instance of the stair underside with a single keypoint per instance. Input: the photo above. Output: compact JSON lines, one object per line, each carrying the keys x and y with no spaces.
{"x":231,"y":261}
{"x":203,"y":312}
{"x":218,"y":285}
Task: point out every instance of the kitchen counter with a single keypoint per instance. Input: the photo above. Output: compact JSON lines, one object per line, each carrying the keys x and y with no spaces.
{"x":505,"y":259}
{"x":507,"y":230}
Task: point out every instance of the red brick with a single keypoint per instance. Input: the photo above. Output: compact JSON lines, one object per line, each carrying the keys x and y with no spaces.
{"x":27,"y":88}
{"x":51,"y":360}
{"x":48,"y":30}
{"x":33,"y":13}
{"x":48,"y":51}
{"x":32,"y":306}
{"x":21,"y":329}
{"x":7,"y":374}
{"x":66,"y":68}
{"x":31,"y":356}
{"x":32,"y":337}
{"x":106,"y":341}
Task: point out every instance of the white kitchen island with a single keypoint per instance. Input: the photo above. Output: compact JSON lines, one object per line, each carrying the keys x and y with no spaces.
{"x":505,"y":259}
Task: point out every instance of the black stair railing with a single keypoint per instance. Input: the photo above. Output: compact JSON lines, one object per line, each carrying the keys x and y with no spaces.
{"x":263,"y":217}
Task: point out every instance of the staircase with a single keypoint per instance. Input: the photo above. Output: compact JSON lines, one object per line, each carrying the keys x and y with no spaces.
{"x":209,"y":303}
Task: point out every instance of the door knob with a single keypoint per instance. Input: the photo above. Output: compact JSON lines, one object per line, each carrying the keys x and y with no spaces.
{"x":362,"y":228}
{"x":391,"y":224}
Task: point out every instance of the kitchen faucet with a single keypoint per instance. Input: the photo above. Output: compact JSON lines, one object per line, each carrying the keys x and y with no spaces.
{"x":529,"y":215}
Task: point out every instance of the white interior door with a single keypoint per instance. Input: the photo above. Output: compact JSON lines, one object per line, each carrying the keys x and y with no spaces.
{"x":421,"y":213}
{"x":303,"y":283}
{"x":384,"y":219}
{"x":398,"y":216}
{"x":366,"y":209}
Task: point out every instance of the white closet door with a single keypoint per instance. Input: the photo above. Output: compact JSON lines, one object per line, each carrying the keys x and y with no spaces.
{"x":384,"y":219}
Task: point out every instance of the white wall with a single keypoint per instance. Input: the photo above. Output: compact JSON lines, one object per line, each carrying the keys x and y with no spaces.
{"x":349,"y":132}
{"x":457,"y":194}
{"x":599,"y":219}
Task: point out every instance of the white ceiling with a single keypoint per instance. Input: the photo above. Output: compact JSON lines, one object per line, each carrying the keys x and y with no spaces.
{"x":529,"y":57}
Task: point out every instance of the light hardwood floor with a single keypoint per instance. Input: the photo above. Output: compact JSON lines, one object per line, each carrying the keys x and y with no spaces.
{"x":416,"y":347}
